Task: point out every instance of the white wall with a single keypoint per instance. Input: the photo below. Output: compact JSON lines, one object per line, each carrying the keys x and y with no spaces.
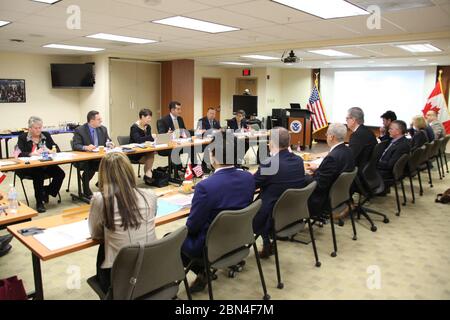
{"x":296,"y":84}
{"x":52,"y":105}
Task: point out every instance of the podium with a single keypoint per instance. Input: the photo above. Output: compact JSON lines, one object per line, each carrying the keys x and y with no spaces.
{"x":298,"y":122}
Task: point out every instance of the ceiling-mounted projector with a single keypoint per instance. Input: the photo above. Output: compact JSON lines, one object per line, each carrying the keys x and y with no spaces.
{"x":292,"y":58}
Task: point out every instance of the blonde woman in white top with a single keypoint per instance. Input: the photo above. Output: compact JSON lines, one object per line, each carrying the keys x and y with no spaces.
{"x":120,"y":214}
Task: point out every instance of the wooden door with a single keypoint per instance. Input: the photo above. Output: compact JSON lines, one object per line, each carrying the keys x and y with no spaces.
{"x":211,"y":96}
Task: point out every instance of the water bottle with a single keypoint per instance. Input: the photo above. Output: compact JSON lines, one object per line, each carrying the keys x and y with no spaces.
{"x":12,"y":200}
{"x":54,"y":150}
{"x":109,"y":144}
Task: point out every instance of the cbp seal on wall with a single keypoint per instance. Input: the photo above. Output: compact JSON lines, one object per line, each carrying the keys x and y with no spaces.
{"x":296,"y":126}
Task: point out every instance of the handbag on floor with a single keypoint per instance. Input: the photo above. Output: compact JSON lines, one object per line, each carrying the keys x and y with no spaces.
{"x":12,"y":289}
{"x":443,"y":197}
{"x":160,"y":177}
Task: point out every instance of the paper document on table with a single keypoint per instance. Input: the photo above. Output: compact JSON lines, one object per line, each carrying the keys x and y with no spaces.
{"x":163,"y":145}
{"x":64,"y":236}
{"x":180,"y":199}
{"x":7,"y":163}
{"x":63,"y":156}
{"x":317,"y":161}
{"x":165,"y":208}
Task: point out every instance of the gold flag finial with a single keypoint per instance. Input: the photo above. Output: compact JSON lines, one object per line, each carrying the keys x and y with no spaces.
{"x":316,"y":81}
{"x":440,"y":75}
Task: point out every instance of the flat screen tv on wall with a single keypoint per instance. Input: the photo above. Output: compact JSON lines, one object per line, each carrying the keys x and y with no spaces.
{"x":247,"y":103}
{"x":72,"y":75}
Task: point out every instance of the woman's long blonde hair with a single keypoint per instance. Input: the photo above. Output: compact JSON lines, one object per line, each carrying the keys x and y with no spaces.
{"x":117,"y":181}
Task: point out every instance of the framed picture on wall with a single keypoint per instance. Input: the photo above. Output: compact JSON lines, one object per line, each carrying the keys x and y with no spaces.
{"x":12,"y":90}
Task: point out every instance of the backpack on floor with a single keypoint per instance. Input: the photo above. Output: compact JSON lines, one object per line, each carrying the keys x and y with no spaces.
{"x":443,"y":197}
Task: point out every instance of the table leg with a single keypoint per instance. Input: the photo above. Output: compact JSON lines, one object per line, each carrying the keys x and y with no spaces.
{"x":1,"y":149}
{"x":6,"y":147}
{"x":39,"y":291}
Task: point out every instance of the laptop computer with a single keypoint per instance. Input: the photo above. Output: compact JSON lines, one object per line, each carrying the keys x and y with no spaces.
{"x":295,"y":106}
{"x":163,"y":138}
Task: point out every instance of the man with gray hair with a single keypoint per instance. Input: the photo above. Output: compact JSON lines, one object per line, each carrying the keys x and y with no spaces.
{"x":435,"y":124}
{"x":338,"y":160}
{"x":283,"y":170}
{"x":363,"y":140}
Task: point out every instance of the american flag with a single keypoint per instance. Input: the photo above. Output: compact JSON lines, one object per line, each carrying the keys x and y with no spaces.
{"x":319,"y":118}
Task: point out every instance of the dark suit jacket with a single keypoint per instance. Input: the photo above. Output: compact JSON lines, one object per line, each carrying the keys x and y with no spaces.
{"x":390,"y":157}
{"x":337,"y":161}
{"x":290,"y":175}
{"x":228,"y":189}
{"x":361,"y":143}
{"x":418,"y":139}
{"x":26,"y":146}
{"x":167,"y":123}
{"x":206,"y":125}
{"x":234,"y":125}
{"x":137,"y":135}
{"x":430,"y":133}
{"x":82,"y":137}
{"x":386,"y":137}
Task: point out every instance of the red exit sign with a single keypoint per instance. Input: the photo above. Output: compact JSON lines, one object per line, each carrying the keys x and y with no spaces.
{"x":246,"y":72}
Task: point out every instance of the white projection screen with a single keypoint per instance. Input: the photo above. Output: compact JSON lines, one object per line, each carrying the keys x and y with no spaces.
{"x":403,"y":91}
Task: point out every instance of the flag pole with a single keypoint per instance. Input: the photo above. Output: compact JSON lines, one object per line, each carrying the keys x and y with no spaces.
{"x":316,"y":83}
{"x":440,"y":85}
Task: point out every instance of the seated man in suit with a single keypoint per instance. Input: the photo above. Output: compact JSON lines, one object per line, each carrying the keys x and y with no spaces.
{"x":362,"y":141}
{"x":435,"y":124}
{"x":209,"y":121}
{"x":228,"y":188}
{"x":398,"y":146}
{"x":173,"y":121}
{"x":238,"y":122}
{"x":207,"y":124}
{"x":339,"y":159}
{"x":87,"y":138}
{"x":283,"y":170}
{"x":387,"y":118}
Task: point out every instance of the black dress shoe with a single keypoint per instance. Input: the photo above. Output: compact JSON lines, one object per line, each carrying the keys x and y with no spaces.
{"x":40,"y":207}
{"x":45,"y":195}
{"x":149,"y":181}
{"x":199,"y":283}
{"x":5,"y":250}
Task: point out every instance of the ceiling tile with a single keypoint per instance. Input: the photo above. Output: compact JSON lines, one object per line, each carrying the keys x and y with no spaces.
{"x":172,"y":7}
{"x":421,"y":20}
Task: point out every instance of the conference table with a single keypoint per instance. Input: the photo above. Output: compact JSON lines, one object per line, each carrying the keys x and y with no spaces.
{"x":24,"y":213}
{"x":40,"y":252}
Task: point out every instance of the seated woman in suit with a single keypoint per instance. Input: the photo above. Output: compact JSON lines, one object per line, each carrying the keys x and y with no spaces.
{"x":238,"y":122}
{"x":34,"y":143}
{"x":121,"y":214}
{"x":418,"y":133}
{"x":141,"y":132}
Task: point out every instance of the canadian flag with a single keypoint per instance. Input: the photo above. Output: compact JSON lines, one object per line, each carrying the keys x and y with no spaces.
{"x":436,"y":102}
{"x":189,"y":175}
{"x":2,"y":176}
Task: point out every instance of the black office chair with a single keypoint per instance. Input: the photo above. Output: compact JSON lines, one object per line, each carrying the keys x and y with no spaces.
{"x":123,"y":140}
{"x":425,"y":163}
{"x":26,"y":177}
{"x":369,"y":184}
{"x":398,"y":173}
{"x":434,"y":156}
{"x":412,"y":170}
{"x":443,"y":151}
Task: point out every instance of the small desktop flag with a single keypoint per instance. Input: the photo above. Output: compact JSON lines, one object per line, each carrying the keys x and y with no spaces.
{"x":188,"y":175}
{"x":319,"y":118}
{"x":2,"y":176}
{"x":198,"y":171}
{"x":436,"y":102}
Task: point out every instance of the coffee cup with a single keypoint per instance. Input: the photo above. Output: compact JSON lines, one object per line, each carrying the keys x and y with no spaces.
{"x":101,"y":149}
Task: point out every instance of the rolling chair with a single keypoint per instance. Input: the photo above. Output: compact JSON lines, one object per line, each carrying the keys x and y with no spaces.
{"x":152,"y":271}
{"x":288,"y":218}
{"x":123,"y":140}
{"x":369,"y":184}
{"x":228,"y":243}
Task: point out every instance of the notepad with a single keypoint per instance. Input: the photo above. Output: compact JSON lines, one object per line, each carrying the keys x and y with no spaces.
{"x":64,"y":236}
{"x":165,"y":208}
{"x":183,"y":200}
{"x":5,"y":163}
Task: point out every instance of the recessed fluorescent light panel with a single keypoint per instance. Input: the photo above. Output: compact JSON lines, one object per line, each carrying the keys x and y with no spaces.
{"x":67,"y":47}
{"x":426,"y":47}
{"x":47,"y":1}
{"x":112,"y":37}
{"x":326,"y":9}
{"x":4,"y":23}
{"x":194,"y":24}
{"x":331,"y":53}
{"x":236,"y":63}
{"x":259,"y":57}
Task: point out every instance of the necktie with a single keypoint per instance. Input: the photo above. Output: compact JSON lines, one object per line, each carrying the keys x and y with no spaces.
{"x":175,"y":124}
{"x":94,"y":137}
{"x":210,"y":124}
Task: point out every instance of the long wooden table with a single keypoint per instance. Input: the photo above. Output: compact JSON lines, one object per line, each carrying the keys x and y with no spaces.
{"x":24,"y":213}
{"x":40,"y":252}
